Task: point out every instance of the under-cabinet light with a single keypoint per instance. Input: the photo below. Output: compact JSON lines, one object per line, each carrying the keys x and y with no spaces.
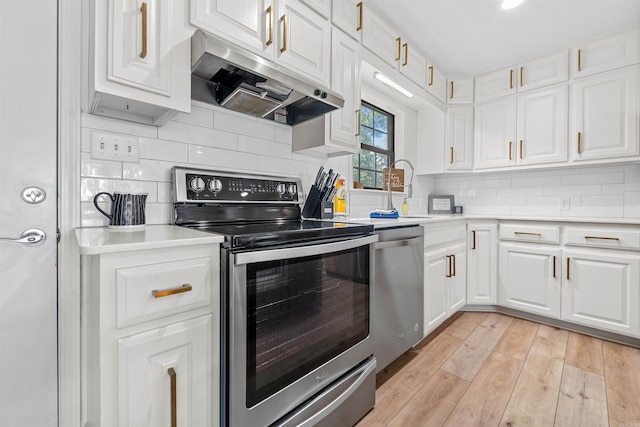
{"x":510,"y":4}
{"x":386,"y":80}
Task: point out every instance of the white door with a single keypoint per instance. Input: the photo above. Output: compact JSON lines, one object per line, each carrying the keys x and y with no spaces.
{"x":458,"y":280}
{"x":459,"y":137}
{"x":495,"y":133}
{"x":482,"y":282}
{"x":28,"y":275}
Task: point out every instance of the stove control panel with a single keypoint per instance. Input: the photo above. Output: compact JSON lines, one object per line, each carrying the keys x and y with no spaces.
{"x":193,"y":185}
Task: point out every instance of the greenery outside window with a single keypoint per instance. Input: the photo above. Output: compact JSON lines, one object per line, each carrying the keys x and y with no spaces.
{"x":376,"y":146}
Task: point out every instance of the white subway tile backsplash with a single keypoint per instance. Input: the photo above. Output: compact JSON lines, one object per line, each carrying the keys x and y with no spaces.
{"x":89,"y":187}
{"x":227,"y":159}
{"x":275,"y":165}
{"x":120,"y":126}
{"x":632,"y":204}
{"x":536,"y":181}
{"x":241,"y":125}
{"x":165,"y":192}
{"x":182,"y":132}
{"x":569,"y":190}
{"x":264,"y":147}
{"x":284,"y":134}
{"x":148,"y":170}
{"x":613,"y":189}
{"x":99,"y":168}
{"x":594,"y":178}
{"x":520,"y":192}
{"x":159,"y":149}
{"x":201,"y":115}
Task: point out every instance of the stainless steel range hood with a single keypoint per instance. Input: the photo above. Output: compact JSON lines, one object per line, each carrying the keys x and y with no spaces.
{"x":241,"y":81}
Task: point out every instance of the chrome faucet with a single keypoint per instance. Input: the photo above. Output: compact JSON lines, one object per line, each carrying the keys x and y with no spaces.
{"x":409,"y":187}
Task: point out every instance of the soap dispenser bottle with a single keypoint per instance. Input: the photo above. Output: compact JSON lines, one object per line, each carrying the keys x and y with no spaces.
{"x":405,"y":207}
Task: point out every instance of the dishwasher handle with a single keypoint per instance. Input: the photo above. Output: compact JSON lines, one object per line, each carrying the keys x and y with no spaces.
{"x":398,"y":243}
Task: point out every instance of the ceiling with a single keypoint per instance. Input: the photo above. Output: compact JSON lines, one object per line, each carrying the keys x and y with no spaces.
{"x":470,"y":37}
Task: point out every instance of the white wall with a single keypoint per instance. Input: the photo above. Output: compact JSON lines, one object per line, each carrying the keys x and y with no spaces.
{"x":593,"y":191}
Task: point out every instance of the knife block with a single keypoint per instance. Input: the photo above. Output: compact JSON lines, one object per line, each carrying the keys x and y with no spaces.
{"x":313,"y":200}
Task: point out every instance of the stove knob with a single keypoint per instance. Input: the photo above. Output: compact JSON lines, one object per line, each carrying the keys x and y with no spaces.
{"x":281,"y":188}
{"x":292,"y":189}
{"x":215,"y":185}
{"x":197,"y":184}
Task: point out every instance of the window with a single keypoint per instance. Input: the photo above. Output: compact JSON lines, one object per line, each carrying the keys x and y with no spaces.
{"x":376,"y":143}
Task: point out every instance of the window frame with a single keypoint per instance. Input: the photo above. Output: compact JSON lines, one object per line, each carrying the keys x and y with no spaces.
{"x":390,"y":153}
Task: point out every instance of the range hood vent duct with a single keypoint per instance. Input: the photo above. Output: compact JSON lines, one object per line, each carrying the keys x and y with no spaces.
{"x":241,"y":81}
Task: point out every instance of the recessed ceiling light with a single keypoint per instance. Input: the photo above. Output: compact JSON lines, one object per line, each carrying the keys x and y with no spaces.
{"x":510,"y":4}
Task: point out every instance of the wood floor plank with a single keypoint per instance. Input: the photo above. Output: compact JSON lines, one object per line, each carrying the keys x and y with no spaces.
{"x":433,"y":403}
{"x":394,"y":394}
{"x":465,"y":324}
{"x":553,"y":333}
{"x":486,"y":398}
{"x":583,"y":400}
{"x":622,"y":379}
{"x":471,"y":355}
{"x":585,"y":352}
{"x":535,"y":396}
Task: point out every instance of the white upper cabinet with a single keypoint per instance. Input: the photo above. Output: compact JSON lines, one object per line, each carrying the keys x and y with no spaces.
{"x":606,"y":54}
{"x":380,"y":38}
{"x":459,"y":137}
{"x":543,"y":71}
{"x":347,"y":15}
{"x":248,"y":23}
{"x":304,"y":40}
{"x":460,"y":91}
{"x":495,"y":133}
{"x":604,"y":112}
{"x":412,"y":64}
{"x":323,"y":7}
{"x":542,"y":126}
{"x":142,"y":58}
{"x":436,"y":83}
{"x":495,"y":84}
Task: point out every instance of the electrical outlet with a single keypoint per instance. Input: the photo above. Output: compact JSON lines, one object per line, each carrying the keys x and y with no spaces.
{"x":110,"y":146}
{"x":565,"y":203}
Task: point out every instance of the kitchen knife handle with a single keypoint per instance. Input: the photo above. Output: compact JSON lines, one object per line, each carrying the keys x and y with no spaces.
{"x":143,"y":9}
{"x":270,"y":12}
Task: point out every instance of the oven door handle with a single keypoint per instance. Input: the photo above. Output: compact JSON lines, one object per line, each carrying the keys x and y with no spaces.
{"x":302,"y":251}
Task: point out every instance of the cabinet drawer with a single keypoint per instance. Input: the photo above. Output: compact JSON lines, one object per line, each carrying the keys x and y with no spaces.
{"x":530,"y":233}
{"x":602,"y":238}
{"x":151,"y":291}
{"x":444,"y":235}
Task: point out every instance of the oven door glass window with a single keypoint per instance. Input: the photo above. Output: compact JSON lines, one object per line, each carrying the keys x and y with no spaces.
{"x":301,"y":313}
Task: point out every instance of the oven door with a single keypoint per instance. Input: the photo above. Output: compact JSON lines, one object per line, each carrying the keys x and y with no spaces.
{"x":299,"y":319}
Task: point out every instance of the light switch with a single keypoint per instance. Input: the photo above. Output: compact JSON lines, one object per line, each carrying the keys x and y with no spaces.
{"x":117,"y":147}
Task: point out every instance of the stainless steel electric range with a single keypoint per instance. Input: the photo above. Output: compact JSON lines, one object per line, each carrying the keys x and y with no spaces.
{"x":296,"y":301}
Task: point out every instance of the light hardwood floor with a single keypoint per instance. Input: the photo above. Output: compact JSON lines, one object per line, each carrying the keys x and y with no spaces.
{"x":489,"y":369}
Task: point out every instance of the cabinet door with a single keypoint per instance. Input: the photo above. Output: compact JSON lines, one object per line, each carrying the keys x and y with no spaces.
{"x":482,"y":280}
{"x":460,"y":91}
{"x":345,"y":79}
{"x":495,"y":133}
{"x":413,"y":65}
{"x":304,"y":40}
{"x":606,"y":54}
{"x":605,"y":116}
{"x":436,"y":83}
{"x":436,"y":270}
{"x":347,"y":15}
{"x":459,"y":137}
{"x":249,"y":23}
{"x":529,"y":278}
{"x":380,"y":38}
{"x":495,"y":84}
{"x":601,"y":289}
{"x":148,"y":363}
{"x":543,"y":126}
{"x":457,"y":283}
{"x":141,"y":53}
{"x":543,"y":71}
{"x":323,"y":7}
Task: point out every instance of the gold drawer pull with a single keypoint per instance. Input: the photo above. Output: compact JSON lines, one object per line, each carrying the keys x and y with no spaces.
{"x":430,"y":76}
{"x":451,"y":92}
{"x":579,"y":60}
{"x":568,"y":268}
{"x":554,"y":266}
{"x":448,"y":274}
{"x":283,"y":49}
{"x":143,"y":9}
{"x":159,"y":294}
{"x":270,"y":12}
{"x":602,"y":238}
{"x":521,"y":80}
{"x":174,"y":400}
{"x":399,"y":42}
{"x":451,"y":155}
{"x":526,"y":233}
{"x":510,"y":79}
{"x":359,"y":6}
{"x":474,"y":239}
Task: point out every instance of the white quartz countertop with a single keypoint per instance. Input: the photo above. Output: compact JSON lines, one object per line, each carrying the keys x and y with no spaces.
{"x":102,"y":240}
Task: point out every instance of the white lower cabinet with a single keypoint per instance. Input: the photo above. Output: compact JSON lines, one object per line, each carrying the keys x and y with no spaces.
{"x":482,"y":263}
{"x":445,"y":278}
{"x":601,"y":289}
{"x":529,"y":278}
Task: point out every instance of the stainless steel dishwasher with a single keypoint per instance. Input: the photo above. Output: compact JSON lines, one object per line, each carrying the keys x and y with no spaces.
{"x":398,"y":292}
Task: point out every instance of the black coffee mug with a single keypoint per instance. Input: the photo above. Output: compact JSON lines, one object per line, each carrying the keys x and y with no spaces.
{"x":126,"y":209}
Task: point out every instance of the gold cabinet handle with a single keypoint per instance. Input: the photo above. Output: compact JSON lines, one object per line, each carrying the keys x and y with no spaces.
{"x":359,"y":6}
{"x":521,"y":80}
{"x":270,"y":12}
{"x":449,"y":266}
{"x":579,"y":143}
{"x":554,"y":266}
{"x":454,"y":266}
{"x":431,"y":75}
{"x":406,"y":54}
{"x":568,"y":268}
{"x":579,"y":59}
{"x":510,"y":150}
{"x":473,"y":233}
{"x":510,"y":79}
{"x":399,"y":42}
{"x":451,"y":155}
{"x":174,"y":407}
{"x":451,"y":91}
{"x":617,"y":239}
{"x":143,"y":9}
{"x":526,"y":233}
{"x":358,"y":122}
{"x":520,"y":149}
{"x":160,"y":294}
{"x":284,"y":34}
